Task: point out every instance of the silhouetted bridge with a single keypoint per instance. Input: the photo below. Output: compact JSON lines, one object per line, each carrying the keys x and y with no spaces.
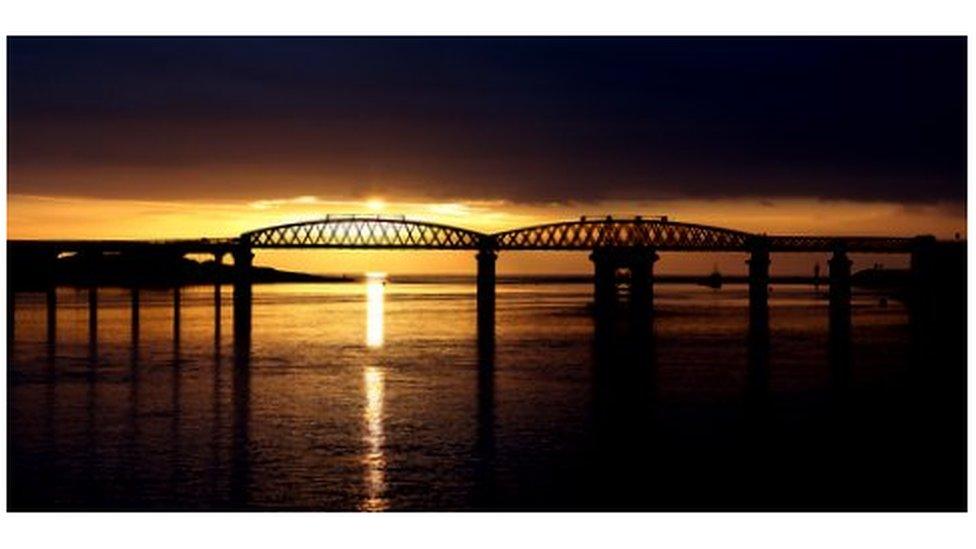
{"x":622,"y":250}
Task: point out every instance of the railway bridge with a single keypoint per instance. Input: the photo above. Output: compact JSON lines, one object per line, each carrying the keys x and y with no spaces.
{"x":626,"y":247}
{"x":623,"y":251}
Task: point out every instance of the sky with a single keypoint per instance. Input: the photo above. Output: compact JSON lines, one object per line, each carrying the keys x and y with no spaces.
{"x":191,"y":137}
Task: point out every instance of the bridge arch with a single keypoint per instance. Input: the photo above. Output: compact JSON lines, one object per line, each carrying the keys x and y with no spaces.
{"x":363,"y":232}
{"x":658,"y":233}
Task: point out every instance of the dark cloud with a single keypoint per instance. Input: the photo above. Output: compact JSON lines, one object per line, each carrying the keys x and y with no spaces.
{"x":523,"y":119}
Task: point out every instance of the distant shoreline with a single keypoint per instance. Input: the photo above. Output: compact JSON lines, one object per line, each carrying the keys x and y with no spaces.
{"x":128,"y":272}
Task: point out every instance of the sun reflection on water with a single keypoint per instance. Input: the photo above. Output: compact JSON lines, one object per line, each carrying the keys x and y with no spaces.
{"x":373,"y":381}
{"x":373,"y":385}
{"x":374,"y":309}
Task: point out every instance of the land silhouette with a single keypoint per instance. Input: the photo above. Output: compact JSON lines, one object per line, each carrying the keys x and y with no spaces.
{"x":134,"y":270}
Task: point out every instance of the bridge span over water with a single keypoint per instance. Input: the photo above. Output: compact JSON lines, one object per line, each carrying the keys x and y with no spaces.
{"x":660,"y":233}
{"x":623,"y":252}
{"x":379,"y":232}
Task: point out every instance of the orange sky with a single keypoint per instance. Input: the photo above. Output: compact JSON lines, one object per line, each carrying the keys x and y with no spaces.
{"x":70,"y":217}
{"x":192,"y":137}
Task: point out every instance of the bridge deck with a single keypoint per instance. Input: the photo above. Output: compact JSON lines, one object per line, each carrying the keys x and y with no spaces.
{"x":373,"y":232}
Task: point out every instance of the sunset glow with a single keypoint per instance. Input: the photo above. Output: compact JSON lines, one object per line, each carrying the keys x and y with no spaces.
{"x":37,"y":217}
{"x":486,"y":273}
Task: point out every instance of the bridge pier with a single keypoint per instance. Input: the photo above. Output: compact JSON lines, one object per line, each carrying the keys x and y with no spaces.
{"x":641,"y":265}
{"x":243,"y":261}
{"x":759,"y":286}
{"x":93,"y":319}
{"x":604,"y":281}
{"x":11,"y":316}
{"x":487,"y":257}
{"x":922,"y":279}
{"x":177,"y":299}
{"x":177,"y":259}
{"x":840,"y":316}
{"x":921,"y":310}
{"x":51,"y":299}
{"x":134,"y":315}
{"x":758,"y":339}
{"x":218,"y":265}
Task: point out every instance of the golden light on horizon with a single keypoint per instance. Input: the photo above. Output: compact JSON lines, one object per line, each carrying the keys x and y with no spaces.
{"x":376,"y":204}
{"x":34,"y":216}
{"x":43,"y":217}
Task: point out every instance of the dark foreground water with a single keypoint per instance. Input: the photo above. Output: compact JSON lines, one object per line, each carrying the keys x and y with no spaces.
{"x":375,"y":397}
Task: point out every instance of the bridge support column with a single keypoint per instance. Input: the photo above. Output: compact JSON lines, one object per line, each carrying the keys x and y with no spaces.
{"x":241,"y":399}
{"x":243,"y":261}
{"x":759,"y":286}
{"x":51,"y":299}
{"x":840,"y":317}
{"x":922,"y":280}
{"x":758,"y":338}
{"x":134,"y":315}
{"x":218,"y":267}
{"x":11,"y":315}
{"x":177,"y":299}
{"x":486,"y":257}
{"x":52,"y":315}
{"x":177,"y":302}
{"x":93,"y":319}
{"x":604,"y":281}
{"x":642,"y":284}
{"x":921,"y":300}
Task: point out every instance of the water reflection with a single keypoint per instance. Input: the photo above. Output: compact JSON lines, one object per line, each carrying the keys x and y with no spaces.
{"x":653,"y":421}
{"x":757,"y":373}
{"x":374,"y":309}
{"x":624,"y":413}
{"x":373,"y":386}
{"x":375,"y":460}
{"x":241,"y":437}
{"x":484,"y":496}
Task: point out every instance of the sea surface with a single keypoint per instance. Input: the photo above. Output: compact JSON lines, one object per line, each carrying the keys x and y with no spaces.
{"x":373,"y":395}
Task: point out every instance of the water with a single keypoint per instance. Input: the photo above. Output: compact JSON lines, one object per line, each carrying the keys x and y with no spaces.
{"x":373,"y":396}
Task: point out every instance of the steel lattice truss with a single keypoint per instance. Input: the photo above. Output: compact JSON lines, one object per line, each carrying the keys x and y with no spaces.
{"x":364,"y":232}
{"x":375,"y":232}
{"x":875,"y":244}
{"x":399,"y":233}
{"x":653,"y":233}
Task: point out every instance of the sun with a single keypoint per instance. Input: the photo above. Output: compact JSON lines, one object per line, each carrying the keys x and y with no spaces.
{"x":376,"y":204}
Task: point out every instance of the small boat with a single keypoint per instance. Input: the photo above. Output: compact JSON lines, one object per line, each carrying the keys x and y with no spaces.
{"x":714,"y":280}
